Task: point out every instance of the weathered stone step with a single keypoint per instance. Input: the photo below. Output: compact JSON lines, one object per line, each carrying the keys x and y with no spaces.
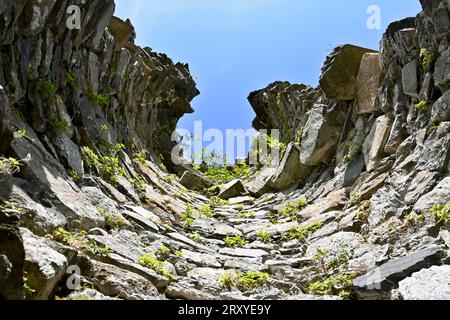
{"x":378,"y":283}
{"x":246,"y":253}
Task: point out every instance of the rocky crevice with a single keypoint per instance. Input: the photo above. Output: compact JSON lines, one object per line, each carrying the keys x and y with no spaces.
{"x":358,"y":207}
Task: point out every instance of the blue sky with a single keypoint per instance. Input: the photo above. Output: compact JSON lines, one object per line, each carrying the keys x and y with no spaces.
{"x":236,"y":46}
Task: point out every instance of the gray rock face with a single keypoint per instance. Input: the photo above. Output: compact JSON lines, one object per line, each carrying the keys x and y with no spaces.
{"x":35,"y":15}
{"x":397,"y":135}
{"x":398,"y":42}
{"x":410,"y":76}
{"x":279,"y":106}
{"x":442,"y":70}
{"x":209,"y":274}
{"x":378,"y":283}
{"x":436,"y":154}
{"x":321,"y":134}
{"x":35,"y":217}
{"x":187,"y":291}
{"x":262,"y":183}
{"x":244,"y":253}
{"x":368,"y":257}
{"x":195,"y":181}
{"x":146,"y":214}
{"x":189,"y":242}
{"x":385,"y":204}
{"x":99,"y":199}
{"x":423,"y":182}
{"x":46,"y":172}
{"x":115,"y":282}
{"x":44,"y":266}
{"x":159,"y":281}
{"x":335,"y":245}
{"x":368,"y":81}
{"x":144,"y":222}
{"x":5,"y":122}
{"x":440,"y":111}
{"x":224,"y":230}
{"x":126,"y":188}
{"x":439,"y":195}
{"x":323,"y":208}
{"x":12,"y":257}
{"x":10,"y":12}
{"x":70,"y":153}
{"x":427,"y":284}
{"x":119,"y":246}
{"x":201,"y":260}
{"x":376,"y":141}
{"x":353,"y":171}
{"x":340,"y":72}
{"x":232,"y":189}
{"x":290,"y":171}
{"x":89,"y":294}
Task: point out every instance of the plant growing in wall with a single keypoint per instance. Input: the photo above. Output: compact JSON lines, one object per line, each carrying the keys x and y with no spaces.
{"x":427,"y":59}
{"x":58,"y":124}
{"x":421,"y":106}
{"x":98,"y":99}
{"x":441,"y":213}
{"x":47,"y":88}
{"x":9,"y":166}
{"x":244,"y":281}
{"x":235,"y":241}
{"x":108,"y":167}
